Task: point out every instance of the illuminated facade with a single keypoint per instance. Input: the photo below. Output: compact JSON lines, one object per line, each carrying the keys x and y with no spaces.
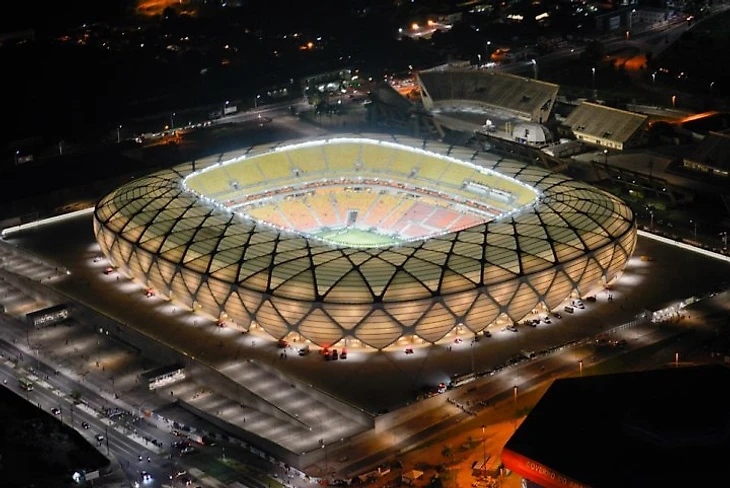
{"x":446,"y":237}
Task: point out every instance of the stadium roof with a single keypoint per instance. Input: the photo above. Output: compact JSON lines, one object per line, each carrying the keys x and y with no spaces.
{"x":492,"y":88}
{"x":602,"y":122}
{"x":714,"y":151}
{"x":384,"y":93}
{"x":176,"y":230}
{"x":665,"y":428}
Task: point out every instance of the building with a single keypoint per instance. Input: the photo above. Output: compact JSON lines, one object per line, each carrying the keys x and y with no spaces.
{"x":712,"y":155}
{"x":453,"y":90}
{"x":666,"y":428}
{"x":650,"y":16}
{"x":365,"y":239}
{"x":606,"y":127}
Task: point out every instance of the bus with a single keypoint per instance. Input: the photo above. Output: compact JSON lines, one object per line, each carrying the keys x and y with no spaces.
{"x":25,"y":384}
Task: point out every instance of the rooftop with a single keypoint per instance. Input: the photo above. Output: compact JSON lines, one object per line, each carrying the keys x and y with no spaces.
{"x":493,"y":88}
{"x":714,"y":150}
{"x":656,"y":428}
{"x":605,"y":122}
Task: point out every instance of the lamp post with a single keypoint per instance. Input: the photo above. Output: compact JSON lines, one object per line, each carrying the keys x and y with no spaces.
{"x":712,"y":85}
{"x":605,"y":156}
{"x":651,"y":221}
{"x":17,"y":153}
{"x":593,"y":78}
{"x":676,"y":359}
{"x":256,"y":102}
{"x":119,"y":135}
{"x":479,"y":57}
{"x":694,"y":222}
{"x":723,"y":234}
{"x":580,"y":367}
{"x":534,"y":68}
{"x":653,"y":78}
{"x":484,"y":448}
{"x":674,"y":101}
{"x":172,"y":121}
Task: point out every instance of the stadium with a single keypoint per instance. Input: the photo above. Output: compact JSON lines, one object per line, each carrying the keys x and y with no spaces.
{"x":365,"y":240}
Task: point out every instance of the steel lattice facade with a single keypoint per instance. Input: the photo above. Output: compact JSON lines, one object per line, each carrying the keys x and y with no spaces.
{"x":170,"y":231}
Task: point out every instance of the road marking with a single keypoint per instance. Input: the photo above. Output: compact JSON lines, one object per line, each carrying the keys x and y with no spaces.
{"x":88,"y":410}
{"x":214,"y":483}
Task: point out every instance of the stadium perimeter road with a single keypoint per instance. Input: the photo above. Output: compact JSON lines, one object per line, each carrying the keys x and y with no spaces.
{"x":671,"y":275}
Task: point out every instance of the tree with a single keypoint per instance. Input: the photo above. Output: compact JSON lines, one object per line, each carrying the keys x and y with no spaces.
{"x":447,"y":452}
{"x":76,"y":395}
{"x":594,"y":51}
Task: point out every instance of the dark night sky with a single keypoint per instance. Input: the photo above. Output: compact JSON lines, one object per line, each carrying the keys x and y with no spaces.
{"x":20,"y":14}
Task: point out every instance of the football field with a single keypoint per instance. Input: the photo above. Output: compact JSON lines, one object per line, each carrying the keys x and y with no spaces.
{"x":355,"y":238}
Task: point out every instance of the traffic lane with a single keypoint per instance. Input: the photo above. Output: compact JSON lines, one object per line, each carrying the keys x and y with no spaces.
{"x":492,"y":393}
{"x":120,"y":445}
{"x":72,"y":415}
{"x":129,"y":450}
{"x":90,"y":397}
{"x":89,"y":394}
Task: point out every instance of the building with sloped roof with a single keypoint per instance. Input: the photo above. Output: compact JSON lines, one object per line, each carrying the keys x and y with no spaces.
{"x":365,"y":239}
{"x":525,"y":98}
{"x":712,"y":155}
{"x":606,"y":127}
{"x":667,"y":427}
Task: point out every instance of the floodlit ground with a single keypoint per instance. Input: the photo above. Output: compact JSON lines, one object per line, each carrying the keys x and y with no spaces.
{"x":396,"y":376}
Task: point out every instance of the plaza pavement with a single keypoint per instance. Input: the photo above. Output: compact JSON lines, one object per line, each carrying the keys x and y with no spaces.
{"x":374,"y":381}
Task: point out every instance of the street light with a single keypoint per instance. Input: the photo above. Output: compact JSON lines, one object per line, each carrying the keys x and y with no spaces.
{"x":17,"y":153}
{"x":674,"y":101}
{"x":172,"y":121}
{"x":534,"y":67}
{"x":119,"y":136}
{"x":479,"y":56}
{"x":712,"y":85}
{"x":580,"y":367}
{"x":593,"y":75}
{"x":484,"y":448}
{"x":695,"y":227}
{"x":256,"y":102}
{"x":676,"y":359}
{"x":651,"y":216}
{"x":653,"y":78}
{"x":605,"y":156}
{"x":723,"y":234}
